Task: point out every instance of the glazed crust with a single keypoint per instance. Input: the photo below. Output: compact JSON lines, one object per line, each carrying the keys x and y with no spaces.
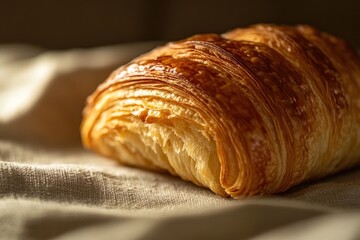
{"x":253,"y":111}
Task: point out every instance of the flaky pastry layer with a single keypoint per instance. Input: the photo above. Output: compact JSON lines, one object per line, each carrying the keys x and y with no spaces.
{"x":253,"y":111}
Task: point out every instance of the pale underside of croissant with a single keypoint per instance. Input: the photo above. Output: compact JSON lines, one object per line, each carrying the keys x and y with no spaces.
{"x":253,"y":111}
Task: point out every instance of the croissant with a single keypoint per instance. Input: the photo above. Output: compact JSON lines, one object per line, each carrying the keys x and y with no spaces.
{"x":253,"y":111}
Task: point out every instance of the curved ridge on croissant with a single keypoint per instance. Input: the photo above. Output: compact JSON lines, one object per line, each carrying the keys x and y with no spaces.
{"x":253,"y":111}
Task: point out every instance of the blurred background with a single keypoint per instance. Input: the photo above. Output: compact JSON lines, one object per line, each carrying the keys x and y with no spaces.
{"x":73,"y":24}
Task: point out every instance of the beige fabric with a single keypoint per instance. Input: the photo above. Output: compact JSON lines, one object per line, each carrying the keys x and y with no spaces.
{"x":51,"y":188}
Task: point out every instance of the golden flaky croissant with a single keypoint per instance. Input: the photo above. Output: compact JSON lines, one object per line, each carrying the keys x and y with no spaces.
{"x":253,"y":111}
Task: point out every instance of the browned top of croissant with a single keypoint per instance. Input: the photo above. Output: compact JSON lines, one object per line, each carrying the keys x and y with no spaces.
{"x":281,"y":104}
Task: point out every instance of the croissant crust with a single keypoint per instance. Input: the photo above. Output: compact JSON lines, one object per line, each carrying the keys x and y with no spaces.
{"x":253,"y":111}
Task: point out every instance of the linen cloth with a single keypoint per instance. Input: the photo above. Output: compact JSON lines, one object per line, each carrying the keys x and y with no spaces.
{"x":51,"y":188}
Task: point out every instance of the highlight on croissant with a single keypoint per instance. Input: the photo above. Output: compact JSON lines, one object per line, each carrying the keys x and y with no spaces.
{"x":253,"y":111}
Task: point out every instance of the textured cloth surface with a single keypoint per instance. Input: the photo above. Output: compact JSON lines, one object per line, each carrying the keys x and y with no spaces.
{"x":51,"y":188}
